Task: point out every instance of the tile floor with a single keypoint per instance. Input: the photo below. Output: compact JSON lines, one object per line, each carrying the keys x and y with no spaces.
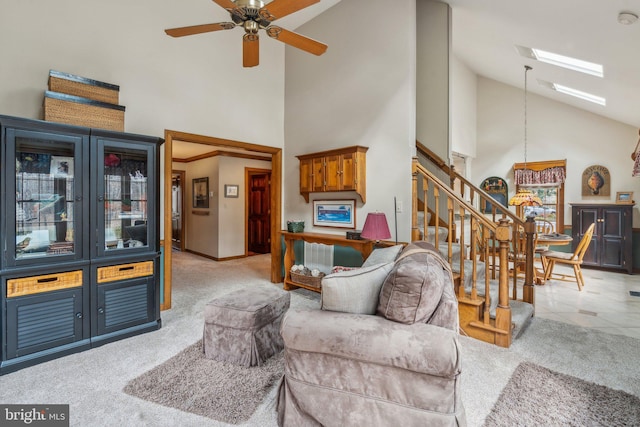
{"x":605,"y":302}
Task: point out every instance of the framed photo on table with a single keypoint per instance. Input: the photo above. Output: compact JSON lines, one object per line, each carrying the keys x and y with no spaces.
{"x":334,"y":213}
{"x":624,"y":197}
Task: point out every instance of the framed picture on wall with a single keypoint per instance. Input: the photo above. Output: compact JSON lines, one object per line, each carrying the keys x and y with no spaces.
{"x":596,"y":181}
{"x":201,"y":192}
{"x":230,"y":190}
{"x":334,"y":213}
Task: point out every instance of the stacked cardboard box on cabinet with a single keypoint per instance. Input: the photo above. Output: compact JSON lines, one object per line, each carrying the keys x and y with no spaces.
{"x":81,"y":101}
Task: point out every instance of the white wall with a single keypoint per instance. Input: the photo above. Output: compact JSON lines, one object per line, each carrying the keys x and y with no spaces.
{"x":555,"y":131}
{"x":463,"y":109}
{"x":433,"y":76}
{"x":195,"y":84}
{"x":360,"y":92}
{"x":202,"y":231}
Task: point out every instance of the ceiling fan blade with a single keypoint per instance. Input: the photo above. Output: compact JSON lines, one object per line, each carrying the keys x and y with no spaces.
{"x":296,"y":40}
{"x":250,"y":50}
{"x":280,"y":8}
{"x":231,"y":7}
{"x":198,"y":29}
{"x":227,"y":4}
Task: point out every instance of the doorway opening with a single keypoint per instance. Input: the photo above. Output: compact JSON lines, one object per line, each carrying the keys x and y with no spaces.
{"x":274,"y":200}
{"x":178,"y":182}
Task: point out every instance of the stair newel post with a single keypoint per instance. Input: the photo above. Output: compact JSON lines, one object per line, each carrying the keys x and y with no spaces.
{"x":451,"y":239}
{"x":474,"y":257}
{"x":503,"y":311}
{"x":461,"y":241}
{"x":528,"y":293}
{"x":516,"y":236}
{"x":415,"y":233}
{"x":425,"y":186}
{"x":487,"y":288}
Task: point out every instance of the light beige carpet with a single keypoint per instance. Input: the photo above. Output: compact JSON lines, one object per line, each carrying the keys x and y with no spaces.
{"x":537,"y":396}
{"x":91,"y":382}
{"x":221,"y":391}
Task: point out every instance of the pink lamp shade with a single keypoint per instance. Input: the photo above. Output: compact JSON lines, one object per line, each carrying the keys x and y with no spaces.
{"x":376,"y":227}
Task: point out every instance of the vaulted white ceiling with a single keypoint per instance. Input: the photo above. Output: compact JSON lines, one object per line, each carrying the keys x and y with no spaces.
{"x":486,"y":31}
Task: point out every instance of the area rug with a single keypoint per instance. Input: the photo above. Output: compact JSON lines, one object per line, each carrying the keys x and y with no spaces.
{"x":221,"y":391}
{"x":537,"y":396}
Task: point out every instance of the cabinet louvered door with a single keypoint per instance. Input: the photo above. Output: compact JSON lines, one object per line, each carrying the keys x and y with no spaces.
{"x":44,"y":321}
{"x":125,"y":304}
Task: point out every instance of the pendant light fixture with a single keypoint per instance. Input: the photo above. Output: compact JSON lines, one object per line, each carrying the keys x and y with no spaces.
{"x":525,"y":197}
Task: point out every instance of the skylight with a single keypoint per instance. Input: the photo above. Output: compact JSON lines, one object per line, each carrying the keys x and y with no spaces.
{"x":568,"y":62}
{"x":574,"y":92}
{"x":580,"y":94}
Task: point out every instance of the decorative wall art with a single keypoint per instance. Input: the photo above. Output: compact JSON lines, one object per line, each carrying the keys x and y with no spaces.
{"x":596,"y":181}
{"x":334,"y":213}
{"x":497,"y":188}
{"x":230,"y":190}
{"x":201,"y":192}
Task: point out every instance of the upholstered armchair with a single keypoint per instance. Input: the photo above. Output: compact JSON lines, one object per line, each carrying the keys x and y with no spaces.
{"x":382,"y":351}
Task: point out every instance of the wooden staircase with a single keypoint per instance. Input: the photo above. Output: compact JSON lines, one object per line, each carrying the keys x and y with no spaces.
{"x":491,"y":253}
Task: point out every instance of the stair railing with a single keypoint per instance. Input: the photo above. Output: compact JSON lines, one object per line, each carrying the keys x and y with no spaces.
{"x":485,"y":239}
{"x":521,"y":258}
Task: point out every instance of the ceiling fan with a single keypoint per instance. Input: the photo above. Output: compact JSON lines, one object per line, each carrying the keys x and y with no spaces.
{"x":254,"y":15}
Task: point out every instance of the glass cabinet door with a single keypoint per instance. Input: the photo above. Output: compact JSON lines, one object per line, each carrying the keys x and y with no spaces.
{"x":125,"y":181}
{"x":44,"y":196}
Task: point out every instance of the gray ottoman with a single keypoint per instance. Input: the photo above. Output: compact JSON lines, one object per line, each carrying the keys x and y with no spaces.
{"x":243,"y":327}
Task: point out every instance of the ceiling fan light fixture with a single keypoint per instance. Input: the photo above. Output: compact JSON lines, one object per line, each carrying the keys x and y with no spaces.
{"x":251,"y":27}
{"x":627,"y":18}
{"x":253,"y":16}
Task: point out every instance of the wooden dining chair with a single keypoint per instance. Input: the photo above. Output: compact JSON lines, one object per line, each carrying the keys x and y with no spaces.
{"x":550,"y":258}
{"x":543,"y":226}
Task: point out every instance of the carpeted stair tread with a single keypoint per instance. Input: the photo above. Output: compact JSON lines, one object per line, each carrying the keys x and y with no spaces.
{"x":521,"y":315}
{"x":443,"y":248}
{"x":521,"y":312}
{"x":468,"y":273}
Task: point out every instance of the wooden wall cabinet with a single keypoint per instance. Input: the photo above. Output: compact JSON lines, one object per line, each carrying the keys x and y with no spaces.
{"x":79,"y":237}
{"x":611,"y":245}
{"x":343,"y":169}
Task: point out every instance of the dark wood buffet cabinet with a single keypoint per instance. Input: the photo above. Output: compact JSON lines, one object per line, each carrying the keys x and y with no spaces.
{"x":80,"y":239}
{"x":611,"y":245}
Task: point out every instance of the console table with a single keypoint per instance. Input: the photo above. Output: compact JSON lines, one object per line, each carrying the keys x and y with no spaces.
{"x":363,"y":246}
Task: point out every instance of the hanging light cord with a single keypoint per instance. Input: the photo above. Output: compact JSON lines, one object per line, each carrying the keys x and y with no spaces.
{"x":526,"y":69}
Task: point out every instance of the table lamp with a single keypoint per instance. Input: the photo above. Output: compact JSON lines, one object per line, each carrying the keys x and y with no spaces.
{"x":376,"y":227}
